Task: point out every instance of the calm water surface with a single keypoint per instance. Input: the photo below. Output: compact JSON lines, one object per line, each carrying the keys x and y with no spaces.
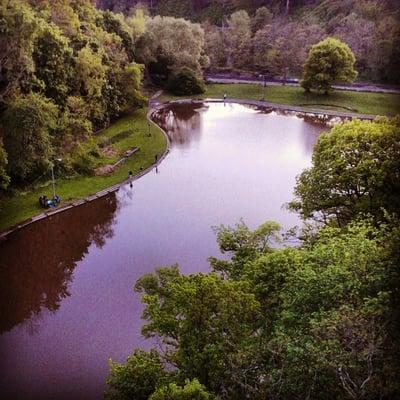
{"x":66,"y":298}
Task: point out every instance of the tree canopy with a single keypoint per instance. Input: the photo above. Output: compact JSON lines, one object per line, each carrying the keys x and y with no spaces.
{"x":313,"y":320}
{"x":355,"y":170}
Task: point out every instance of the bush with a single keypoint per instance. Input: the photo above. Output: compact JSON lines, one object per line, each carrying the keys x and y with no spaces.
{"x":185,"y":82}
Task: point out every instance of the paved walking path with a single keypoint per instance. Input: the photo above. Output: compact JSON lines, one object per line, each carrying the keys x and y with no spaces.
{"x":360,"y":87}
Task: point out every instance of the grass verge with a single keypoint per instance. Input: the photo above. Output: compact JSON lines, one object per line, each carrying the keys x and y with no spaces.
{"x":339,"y":100}
{"x":24,"y":205}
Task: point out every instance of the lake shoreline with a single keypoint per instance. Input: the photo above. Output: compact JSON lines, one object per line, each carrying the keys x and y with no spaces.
{"x":157,"y":106}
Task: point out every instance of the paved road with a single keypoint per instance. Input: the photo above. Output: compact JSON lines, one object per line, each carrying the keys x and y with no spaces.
{"x":356,"y":87}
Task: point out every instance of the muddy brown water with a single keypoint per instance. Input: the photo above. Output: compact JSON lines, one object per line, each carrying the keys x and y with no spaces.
{"x":67,"y":304}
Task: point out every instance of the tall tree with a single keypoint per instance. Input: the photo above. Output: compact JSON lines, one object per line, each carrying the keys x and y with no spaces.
{"x":356,"y":169}
{"x":329,"y":61}
{"x":27,"y":126}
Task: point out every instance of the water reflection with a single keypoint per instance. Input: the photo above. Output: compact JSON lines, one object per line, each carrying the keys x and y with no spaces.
{"x":37,"y":263}
{"x":182,"y":122}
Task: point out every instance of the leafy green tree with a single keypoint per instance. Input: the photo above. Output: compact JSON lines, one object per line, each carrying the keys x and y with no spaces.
{"x":215,"y":45}
{"x":185,"y":82}
{"x":54,"y":64}
{"x":192,"y":390}
{"x":74,"y":121}
{"x":334,"y":306}
{"x":356,"y":169}
{"x":238,"y":38}
{"x":18,"y":29}
{"x":243,"y":245}
{"x":27,"y":126}
{"x":137,"y":378}
{"x":205,"y":323}
{"x":328,"y":62}
{"x":131,"y":81}
{"x":176,"y":42}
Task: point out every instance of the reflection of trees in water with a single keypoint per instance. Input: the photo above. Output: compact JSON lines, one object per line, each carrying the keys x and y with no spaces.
{"x":37,"y":263}
{"x":181,"y":122}
{"x":309,"y":117}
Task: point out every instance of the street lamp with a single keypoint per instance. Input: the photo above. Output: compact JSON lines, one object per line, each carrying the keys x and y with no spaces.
{"x":53,"y":181}
{"x":264,"y":76}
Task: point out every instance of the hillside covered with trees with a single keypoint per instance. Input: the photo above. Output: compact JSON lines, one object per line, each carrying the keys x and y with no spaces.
{"x":274,"y":36}
{"x":68,"y":69}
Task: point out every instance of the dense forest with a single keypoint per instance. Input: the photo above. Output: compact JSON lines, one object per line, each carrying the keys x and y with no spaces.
{"x":67,"y":69}
{"x":273,"y":36}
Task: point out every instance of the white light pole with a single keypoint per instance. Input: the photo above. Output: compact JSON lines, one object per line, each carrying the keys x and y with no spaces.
{"x":53,"y":181}
{"x":264,"y":76}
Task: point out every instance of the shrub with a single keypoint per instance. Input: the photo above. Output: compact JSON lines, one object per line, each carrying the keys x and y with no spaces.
{"x":185,"y":82}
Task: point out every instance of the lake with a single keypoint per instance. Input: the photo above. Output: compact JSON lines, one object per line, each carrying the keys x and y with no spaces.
{"x":67,"y":304}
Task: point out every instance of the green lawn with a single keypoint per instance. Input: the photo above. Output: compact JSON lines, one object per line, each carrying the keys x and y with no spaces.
{"x":24,"y":205}
{"x":340,"y":100}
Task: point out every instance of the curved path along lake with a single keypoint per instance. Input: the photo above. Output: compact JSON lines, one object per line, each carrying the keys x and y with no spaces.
{"x":67,"y":304}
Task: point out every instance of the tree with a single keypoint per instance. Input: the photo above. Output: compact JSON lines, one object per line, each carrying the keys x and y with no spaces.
{"x":91,"y":75}
{"x":176,"y":43}
{"x":333,"y":310}
{"x":137,"y":378}
{"x":243,"y":245}
{"x":328,"y":62}
{"x":18,"y":28}
{"x":262,"y":17}
{"x":27,"y":126}
{"x":114,"y":23}
{"x":239,"y":33}
{"x":192,"y":390}
{"x":54,"y":64}
{"x":356,"y":170}
{"x":205,"y":323}
{"x":131,"y":81}
{"x":185,"y":82}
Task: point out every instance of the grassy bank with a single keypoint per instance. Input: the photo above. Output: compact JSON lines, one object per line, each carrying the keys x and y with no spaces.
{"x":339,"y":100}
{"x":128,"y":132}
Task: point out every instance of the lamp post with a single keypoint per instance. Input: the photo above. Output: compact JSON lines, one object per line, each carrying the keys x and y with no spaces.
{"x":53,"y":181}
{"x":264,"y":76}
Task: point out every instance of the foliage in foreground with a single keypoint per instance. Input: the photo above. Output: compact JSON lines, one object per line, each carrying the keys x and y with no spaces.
{"x":284,"y":324}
